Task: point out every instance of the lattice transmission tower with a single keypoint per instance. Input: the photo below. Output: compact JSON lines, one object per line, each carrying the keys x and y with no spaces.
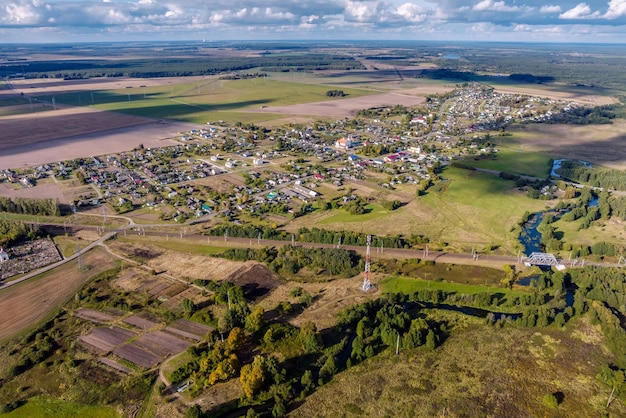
{"x":366,"y":276}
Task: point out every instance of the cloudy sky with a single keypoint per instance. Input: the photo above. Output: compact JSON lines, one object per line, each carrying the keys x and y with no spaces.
{"x":492,"y":20}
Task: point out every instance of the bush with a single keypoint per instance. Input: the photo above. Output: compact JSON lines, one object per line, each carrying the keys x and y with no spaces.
{"x":550,"y":401}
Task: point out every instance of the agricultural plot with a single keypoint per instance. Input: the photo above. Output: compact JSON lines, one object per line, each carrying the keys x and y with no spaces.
{"x":137,"y":355}
{"x":141,"y":322}
{"x":142,"y":347}
{"x":114,"y":365}
{"x":161,"y":343}
{"x":28,"y":303}
{"x":188,"y":329}
{"x":94,"y":316}
{"x":103,"y":340}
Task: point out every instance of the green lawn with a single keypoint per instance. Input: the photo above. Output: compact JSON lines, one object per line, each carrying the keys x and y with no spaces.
{"x":45,"y":407}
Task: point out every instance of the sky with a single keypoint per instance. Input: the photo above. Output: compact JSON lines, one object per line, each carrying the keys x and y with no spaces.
{"x":36,"y":21}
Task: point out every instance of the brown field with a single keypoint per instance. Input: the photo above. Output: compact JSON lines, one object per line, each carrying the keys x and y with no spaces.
{"x":161,"y":343}
{"x":255,"y":279}
{"x":26,"y":304}
{"x":41,"y":191}
{"x":69,"y":133}
{"x":598,"y":144}
{"x":580,"y":95}
{"x":51,"y":86}
{"x":92,"y":315}
{"x":188,"y":329}
{"x":106,"y":339}
{"x":137,"y":355}
{"x":141,"y":322}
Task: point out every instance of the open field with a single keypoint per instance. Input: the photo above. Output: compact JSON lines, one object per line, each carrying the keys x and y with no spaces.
{"x":478,"y":371}
{"x":66,"y":134}
{"x":45,"y":407}
{"x":30,"y":302}
{"x":468,"y":209}
{"x":598,"y":144}
{"x":412,"y":285}
{"x":583,"y":95}
{"x":515,"y":158}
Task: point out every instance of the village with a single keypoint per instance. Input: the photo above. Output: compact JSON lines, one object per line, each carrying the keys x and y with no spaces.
{"x":228,"y":170}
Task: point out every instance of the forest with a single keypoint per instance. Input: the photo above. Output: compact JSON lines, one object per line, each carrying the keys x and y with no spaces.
{"x":175,"y":67}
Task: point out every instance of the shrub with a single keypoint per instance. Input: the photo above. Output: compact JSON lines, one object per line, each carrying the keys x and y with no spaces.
{"x":550,"y":401}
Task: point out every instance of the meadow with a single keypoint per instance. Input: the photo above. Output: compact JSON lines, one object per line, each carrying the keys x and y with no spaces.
{"x":466,"y":210}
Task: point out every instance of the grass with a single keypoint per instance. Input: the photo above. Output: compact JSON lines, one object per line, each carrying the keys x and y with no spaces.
{"x":477,"y":371}
{"x":474,"y":209}
{"x":411,"y":285}
{"x":513,"y":159}
{"x":45,"y":407}
{"x":466,"y":210}
{"x":598,"y":231}
{"x":373,"y":212}
{"x":209,"y":100}
{"x":178,"y":245}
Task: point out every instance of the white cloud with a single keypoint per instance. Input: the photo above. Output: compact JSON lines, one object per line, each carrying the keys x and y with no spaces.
{"x":497,"y":6}
{"x":581,"y":11}
{"x":20,"y":14}
{"x":617,"y":8}
{"x":412,"y":12}
{"x":550,"y":9}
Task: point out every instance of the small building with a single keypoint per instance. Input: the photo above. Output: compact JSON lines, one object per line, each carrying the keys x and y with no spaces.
{"x":4,"y":256}
{"x":343,"y":143}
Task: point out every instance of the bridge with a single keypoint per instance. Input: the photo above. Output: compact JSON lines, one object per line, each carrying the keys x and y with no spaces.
{"x":543,"y":259}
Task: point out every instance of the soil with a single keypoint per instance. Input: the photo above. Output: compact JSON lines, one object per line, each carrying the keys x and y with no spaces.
{"x":31,"y":302}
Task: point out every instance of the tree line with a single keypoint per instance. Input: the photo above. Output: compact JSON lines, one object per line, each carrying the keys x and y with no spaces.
{"x":597,"y":177}
{"x":317,"y":235}
{"x":44,"y":207}
{"x":12,"y":232}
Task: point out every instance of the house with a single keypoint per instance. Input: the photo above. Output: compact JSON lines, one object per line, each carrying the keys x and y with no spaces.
{"x":343,"y":143}
{"x":3,"y":255}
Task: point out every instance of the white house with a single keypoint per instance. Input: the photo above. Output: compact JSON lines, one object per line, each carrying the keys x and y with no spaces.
{"x":3,"y":255}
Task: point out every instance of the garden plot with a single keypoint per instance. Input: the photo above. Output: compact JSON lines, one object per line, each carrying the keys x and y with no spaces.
{"x":106,"y":339}
{"x":141,"y":321}
{"x":137,"y":355}
{"x":188,"y":329}
{"x":161,"y":343}
{"x":92,"y":315}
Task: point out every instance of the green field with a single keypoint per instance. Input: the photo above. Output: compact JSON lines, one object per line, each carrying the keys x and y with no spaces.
{"x":46,"y":407}
{"x":513,"y":158}
{"x":373,"y":212}
{"x":466,"y":210}
{"x":411,"y":285}
{"x":204,"y":101}
{"x":472,"y":208}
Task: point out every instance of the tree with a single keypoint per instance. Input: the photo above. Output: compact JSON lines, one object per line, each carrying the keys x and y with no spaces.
{"x":431,"y":340}
{"x":252,"y":377}
{"x":255,"y":321}
{"x":236,"y":338}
